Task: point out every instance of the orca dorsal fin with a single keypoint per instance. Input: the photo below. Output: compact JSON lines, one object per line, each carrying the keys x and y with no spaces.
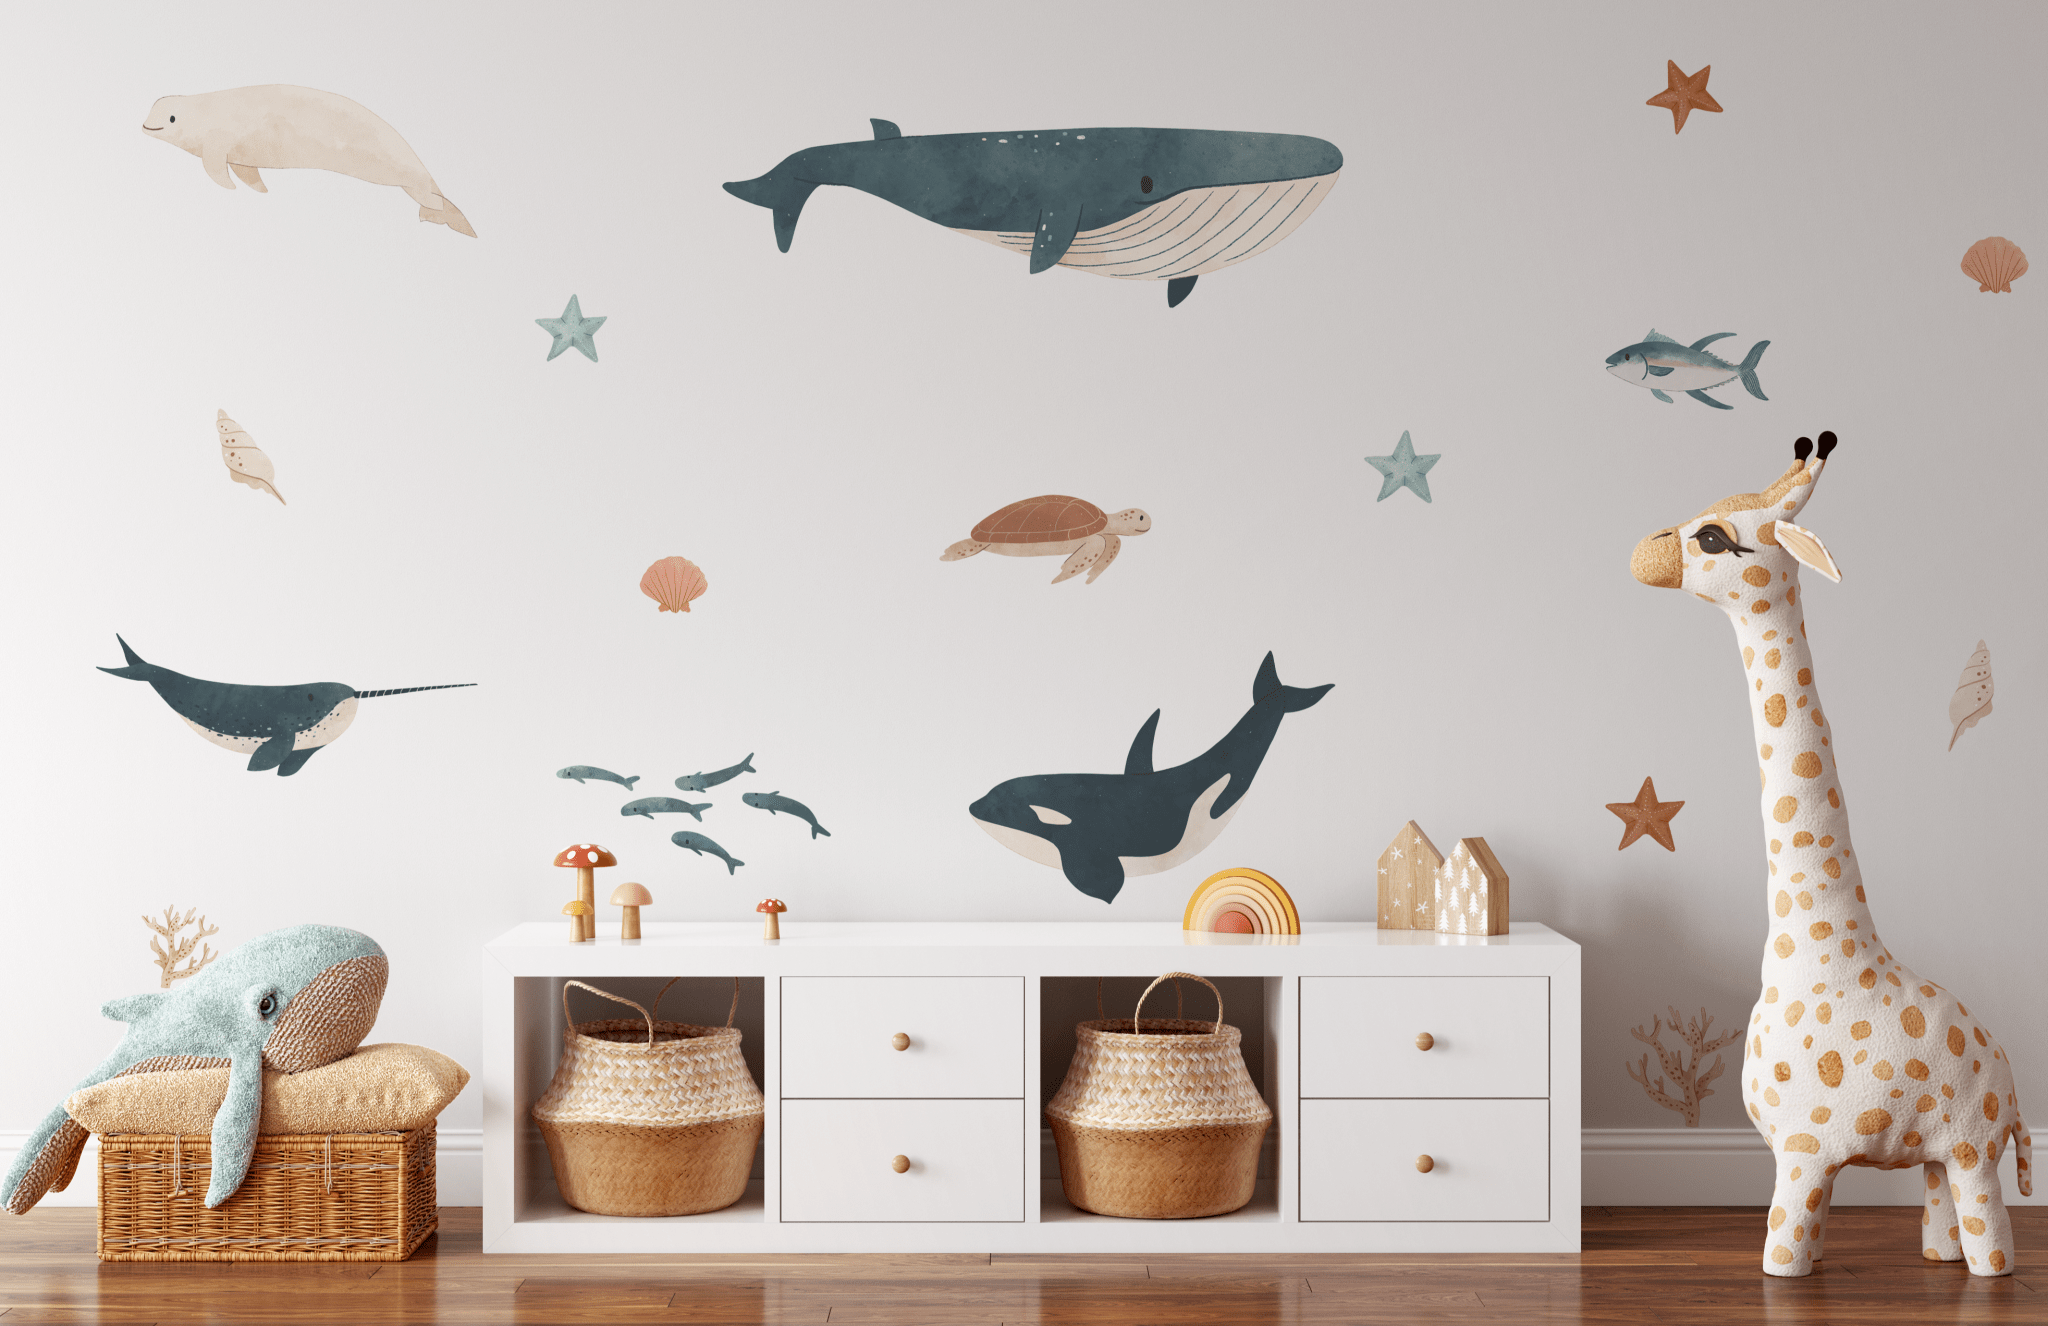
{"x":1139,"y":761}
{"x":1656,"y":335}
{"x":1267,"y":681}
{"x":885,"y":129}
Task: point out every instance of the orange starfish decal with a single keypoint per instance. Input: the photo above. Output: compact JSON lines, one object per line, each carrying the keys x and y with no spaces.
{"x":1685,"y":94}
{"x":1647,"y":815}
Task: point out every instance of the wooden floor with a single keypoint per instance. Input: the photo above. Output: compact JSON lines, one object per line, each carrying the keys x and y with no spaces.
{"x":1641,"y":1265}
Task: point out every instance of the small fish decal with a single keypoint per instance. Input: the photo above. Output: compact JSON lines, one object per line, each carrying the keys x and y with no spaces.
{"x":775,"y":801}
{"x":652,"y":806}
{"x":1972,"y":699}
{"x":580,"y":772}
{"x":704,"y":782}
{"x":1660,"y":363}
{"x":702,"y":846}
{"x":245,"y":460}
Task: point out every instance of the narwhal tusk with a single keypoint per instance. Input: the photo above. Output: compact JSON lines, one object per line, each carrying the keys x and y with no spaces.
{"x":407,"y":690}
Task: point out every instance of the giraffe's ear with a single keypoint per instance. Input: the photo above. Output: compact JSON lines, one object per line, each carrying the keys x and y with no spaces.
{"x":1807,"y":547}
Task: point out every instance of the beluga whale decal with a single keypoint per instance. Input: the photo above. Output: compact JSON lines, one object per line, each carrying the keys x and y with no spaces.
{"x":1166,"y":205}
{"x":1100,"y":828}
{"x":277,"y":727}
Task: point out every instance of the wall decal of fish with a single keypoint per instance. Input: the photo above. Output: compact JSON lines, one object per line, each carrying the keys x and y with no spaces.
{"x":704,"y":782}
{"x":702,"y":846}
{"x":1662,"y":364}
{"x":581,"y":772}
{"x":775,"y":801}
{"x":649,"y":807}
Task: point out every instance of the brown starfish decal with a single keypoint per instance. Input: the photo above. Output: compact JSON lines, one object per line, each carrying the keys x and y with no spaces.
{"x":1685,"y":94}
{"x":1646,"y":815}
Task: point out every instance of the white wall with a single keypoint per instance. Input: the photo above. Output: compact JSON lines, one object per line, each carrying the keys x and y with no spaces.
{"x":813,"y":428}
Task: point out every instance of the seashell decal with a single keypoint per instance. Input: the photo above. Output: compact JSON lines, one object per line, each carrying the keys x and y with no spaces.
{"x":1994,"y":264}
{"x":673,"y":582}
{"x":245,"y":460}
{"x":1972,"y":699}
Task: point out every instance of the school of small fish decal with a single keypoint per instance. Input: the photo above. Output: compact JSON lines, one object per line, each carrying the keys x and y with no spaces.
{"x":689,"y":840}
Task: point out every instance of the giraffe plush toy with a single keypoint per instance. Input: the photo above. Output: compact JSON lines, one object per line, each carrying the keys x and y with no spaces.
{"x":1852,"y":1059}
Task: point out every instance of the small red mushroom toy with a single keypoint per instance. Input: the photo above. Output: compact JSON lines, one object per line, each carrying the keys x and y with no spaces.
{"x":588,"y":858}
{"x":770,"y":908}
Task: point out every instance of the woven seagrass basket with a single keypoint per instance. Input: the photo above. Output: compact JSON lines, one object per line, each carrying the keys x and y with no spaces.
{"x":1157,"y":1118}
{"x":650,"y":1118}
{"x":352,"y":1197}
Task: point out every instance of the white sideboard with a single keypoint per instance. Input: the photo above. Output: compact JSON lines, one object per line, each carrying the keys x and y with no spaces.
{"x":1493,"y":1102}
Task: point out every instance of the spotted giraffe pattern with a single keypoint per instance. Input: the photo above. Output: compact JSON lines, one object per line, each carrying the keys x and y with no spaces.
{"x":1852,"y":1058}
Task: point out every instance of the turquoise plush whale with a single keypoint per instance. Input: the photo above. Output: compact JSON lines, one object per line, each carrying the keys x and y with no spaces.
{"x":775,"y":801}
{"x":289,"y":1000}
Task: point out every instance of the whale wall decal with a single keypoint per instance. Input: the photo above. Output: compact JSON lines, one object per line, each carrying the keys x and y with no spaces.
{"x":277,"y":727}
{"x":1100,"y":828}
{"x":1166,"y":205}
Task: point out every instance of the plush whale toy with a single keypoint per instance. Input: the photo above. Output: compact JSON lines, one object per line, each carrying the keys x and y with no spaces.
{"x":289,"y":1000}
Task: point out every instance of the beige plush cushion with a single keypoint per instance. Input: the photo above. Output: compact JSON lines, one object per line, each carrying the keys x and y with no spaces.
{"x":378,"y":1089}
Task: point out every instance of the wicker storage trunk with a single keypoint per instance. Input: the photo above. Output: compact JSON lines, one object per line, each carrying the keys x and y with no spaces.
{"x":351,"y":1197}
{"x":1157,"y":1117}
{"x":650,"y":1118}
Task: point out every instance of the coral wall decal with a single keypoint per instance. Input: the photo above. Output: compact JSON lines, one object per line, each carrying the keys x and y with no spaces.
{"x":1688,"y":1082}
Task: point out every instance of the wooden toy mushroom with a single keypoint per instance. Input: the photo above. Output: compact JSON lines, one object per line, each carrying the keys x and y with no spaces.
{"x":629,"y":899}
{"x":588,"y":858}
{"x":770,"y":927}
{"x":578,"y":912}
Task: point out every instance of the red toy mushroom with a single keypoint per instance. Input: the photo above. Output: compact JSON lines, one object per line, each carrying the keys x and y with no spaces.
{"x":588,"y":858}
{"x":770,"y":908}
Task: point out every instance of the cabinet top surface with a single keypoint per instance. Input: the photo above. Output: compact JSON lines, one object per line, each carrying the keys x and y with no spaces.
{"x":841,"y":936}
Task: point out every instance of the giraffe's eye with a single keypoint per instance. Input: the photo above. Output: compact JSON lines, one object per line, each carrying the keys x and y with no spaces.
{"x":1714,"y":539}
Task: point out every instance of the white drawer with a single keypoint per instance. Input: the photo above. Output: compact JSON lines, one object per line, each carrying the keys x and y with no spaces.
{"x":1491,"y":1035}
{"x":966,"y":1160}
{"x":966,"y":1036}
{"x":1491,"y":1160}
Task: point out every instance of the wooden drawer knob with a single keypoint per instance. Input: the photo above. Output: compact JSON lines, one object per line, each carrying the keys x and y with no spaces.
{"x":900,"y":1040}
{"x":1423,"y":1164}
{"x":900,"y":1164}
{"x":1424,"y":1041}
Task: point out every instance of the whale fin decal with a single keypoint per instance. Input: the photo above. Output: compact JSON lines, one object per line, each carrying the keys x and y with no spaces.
{"x":1177,"y":289}
{"x":1095,"y":875}
{"x":885,"y":129}
{"x":1293,"y":699}
{"x":272,"y":753}
{"x":296,"y":761}
{"x":1056,"y":231}
{"x":784,"y":197}
{"x":1139,"y":761}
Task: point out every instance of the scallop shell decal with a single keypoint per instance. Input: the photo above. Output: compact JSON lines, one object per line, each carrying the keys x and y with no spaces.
{"x":245,"y":460}
{"x":673,"y":582}
{"x":1972,"y":699}
{"x":1994,"y":264}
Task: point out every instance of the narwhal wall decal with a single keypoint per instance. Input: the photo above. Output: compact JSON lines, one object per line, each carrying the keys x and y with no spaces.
{"x":277,"y":727}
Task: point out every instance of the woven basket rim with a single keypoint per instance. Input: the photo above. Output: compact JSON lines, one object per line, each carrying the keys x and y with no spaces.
{"x":684,"y":1034}
{"x":1181,"y":1030}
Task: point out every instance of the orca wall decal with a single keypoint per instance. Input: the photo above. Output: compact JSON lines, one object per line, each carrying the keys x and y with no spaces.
{"x":1100,"y":828}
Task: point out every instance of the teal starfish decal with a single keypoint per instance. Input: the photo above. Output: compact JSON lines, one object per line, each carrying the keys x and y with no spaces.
{"x":1404,"y":469}
{"x":572,"y":328}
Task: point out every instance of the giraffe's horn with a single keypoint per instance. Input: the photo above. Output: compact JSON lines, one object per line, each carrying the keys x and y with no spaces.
{"x":1803,"y":448}
{"x":1827,"y":444}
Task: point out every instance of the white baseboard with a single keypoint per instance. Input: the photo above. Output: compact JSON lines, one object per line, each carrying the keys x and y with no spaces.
{"x":1621,"y":1167}
{"x":1729,"y":1167}
{"x":458,"y":1169}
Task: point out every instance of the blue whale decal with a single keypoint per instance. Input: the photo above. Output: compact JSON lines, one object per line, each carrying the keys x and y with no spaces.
{"x":1099,"y":828}
{"x":1138,"y":204}
{"x":277,"y":727}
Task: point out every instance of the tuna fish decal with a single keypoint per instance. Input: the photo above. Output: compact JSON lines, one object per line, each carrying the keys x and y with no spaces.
{"x":1099,"y":828}
{"x":1138,"y":204}
{"x":1658,"y":362}
{"x":277,"y":727}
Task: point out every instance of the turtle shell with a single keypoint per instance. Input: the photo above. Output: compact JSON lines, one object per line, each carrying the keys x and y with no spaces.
{"x":1048,"y":519}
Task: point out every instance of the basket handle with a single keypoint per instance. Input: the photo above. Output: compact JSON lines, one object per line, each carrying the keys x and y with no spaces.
{"x":617,"y":999}
{"x":1178,"y":976}
{"x":728,"y":1012}
{"x":1179,"y":1008}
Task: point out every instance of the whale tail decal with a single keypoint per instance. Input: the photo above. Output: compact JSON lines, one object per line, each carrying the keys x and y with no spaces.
{"x":408,"y":690}
{"x":1293,"y":699}
{"x":447,"y":214}
{"x":783,"y":196}
{"x":138,"y":668}
{"x":1748,"y":371}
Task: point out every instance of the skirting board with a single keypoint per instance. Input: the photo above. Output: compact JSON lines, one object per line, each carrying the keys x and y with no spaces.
{"x":458,"y":1169}
{"x":1622,"y":1167}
